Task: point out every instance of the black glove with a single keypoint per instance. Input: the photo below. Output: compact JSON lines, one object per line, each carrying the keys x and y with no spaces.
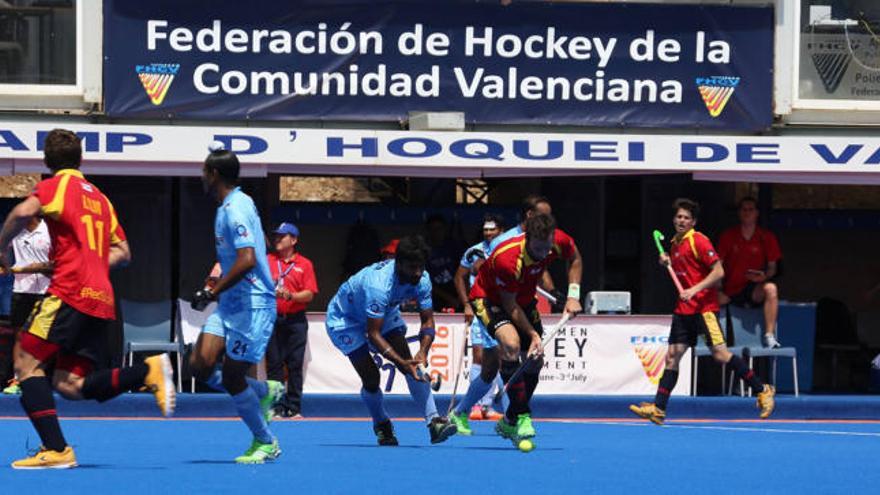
{"x":201,"y":299}
{"x":560,"y":301}
{"x":472,"y":254}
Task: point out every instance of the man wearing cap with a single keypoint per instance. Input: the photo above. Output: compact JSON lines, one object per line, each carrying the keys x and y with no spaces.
{"x":295,"y":287}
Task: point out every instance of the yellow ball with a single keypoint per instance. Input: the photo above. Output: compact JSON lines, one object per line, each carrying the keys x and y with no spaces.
{"x":526,"y":445}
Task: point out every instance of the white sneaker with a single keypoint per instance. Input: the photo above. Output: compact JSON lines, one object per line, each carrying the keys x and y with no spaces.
{"x":770,"y":342}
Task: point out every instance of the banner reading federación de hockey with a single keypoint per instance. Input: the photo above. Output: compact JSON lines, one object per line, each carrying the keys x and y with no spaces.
{"x":541,"y":63}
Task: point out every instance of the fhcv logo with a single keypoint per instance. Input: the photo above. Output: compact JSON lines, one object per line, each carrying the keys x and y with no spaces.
{"x":652,"y":354}
{"x":157,"y":78}
{"x":716,"y":92}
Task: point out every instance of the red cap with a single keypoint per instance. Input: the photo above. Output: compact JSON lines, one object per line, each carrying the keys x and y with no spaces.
{"x":390,"y":248}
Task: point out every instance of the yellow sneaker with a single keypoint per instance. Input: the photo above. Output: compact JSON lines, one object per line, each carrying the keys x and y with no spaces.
{"x":649,"y":411}
{"x":159,"y":380}
{"x":48,"y":459}
{"x":766,"y":403}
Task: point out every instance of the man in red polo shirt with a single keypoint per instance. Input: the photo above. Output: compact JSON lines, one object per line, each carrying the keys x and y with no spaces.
{"x":699,"y":269}
{"x":751,"y":256}
{"x":503,"y":298}
{"x":295,"y":287}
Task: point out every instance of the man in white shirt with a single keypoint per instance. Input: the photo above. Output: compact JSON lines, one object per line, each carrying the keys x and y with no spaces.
{"x":32,"y":270}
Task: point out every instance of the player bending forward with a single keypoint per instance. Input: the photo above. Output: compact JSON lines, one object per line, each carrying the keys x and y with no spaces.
{"x":364,"y":314}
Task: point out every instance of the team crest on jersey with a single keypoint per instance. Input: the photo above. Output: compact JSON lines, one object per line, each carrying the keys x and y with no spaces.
{"x":87,"y":187}
{"x":653,"y":359}
{"x":241,"y":230}
{"x":157,"y":79}
{"x":716,"y":92}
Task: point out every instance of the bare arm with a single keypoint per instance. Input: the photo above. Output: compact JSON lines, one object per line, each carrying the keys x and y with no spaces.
{"x":245,"y":261}
{"x":575,"y":273}
{"x":374,"y":334}
{"x":46,"y":268}
{"x":711,"y":279}
{"x":18,"y":219}
{"x":120,"y":254}
{"x":425,"y":338}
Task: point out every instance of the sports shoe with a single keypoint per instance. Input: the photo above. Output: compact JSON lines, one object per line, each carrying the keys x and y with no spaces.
{"x":441,"y":429}
{"x":159,"y":380}
{"x":505,"y":429}
{"x":460,"y":420}
{"x":271,"y":399}
{"x":650,"y":412}
{"x":13,"y":388}
{"x":491,"y":414}
{"x":385,"y":434}
{"x":476,"y":413}
{"x":259,"y":453}
{"x":48,"y":459}
{"x":766,"y":403}
{"x":524,"y":428}
{"x":770,"y":341}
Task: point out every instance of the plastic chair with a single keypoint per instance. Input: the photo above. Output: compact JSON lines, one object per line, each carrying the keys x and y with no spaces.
{"x":189,"y":325}
{"x":703,"y":350}
{"x":748,"y":331}
{"x":147,"y":328}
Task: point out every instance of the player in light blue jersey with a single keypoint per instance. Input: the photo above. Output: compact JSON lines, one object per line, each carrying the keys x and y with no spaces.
{"x":364,"y":317}
{"x":480,"y":407}
{"x":245,"y":315}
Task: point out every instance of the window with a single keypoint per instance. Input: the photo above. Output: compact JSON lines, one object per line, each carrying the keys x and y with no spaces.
{"x":50,"y":54}
{"x":38,"y":42}
{"x":839,"y":56}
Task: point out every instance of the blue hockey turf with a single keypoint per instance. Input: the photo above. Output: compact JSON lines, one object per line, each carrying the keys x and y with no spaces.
{"x":191,"y":455}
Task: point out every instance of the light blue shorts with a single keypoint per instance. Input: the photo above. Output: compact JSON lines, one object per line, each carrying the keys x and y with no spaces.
{"x":480,"y":336}
{"x":350,"y":339}
{"x":247,"y":333}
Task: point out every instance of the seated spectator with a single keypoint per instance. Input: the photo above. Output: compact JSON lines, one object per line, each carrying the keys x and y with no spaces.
{"x":751,"y":258}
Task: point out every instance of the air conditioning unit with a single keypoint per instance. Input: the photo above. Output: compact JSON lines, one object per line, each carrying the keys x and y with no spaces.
{"x":609,"y":302}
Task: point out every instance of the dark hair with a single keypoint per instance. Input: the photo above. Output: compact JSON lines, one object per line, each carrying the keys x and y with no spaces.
{"x":531,"y":202}
{"x":540,"y":226}
{"x":747,"y":199}
{"x":412,"y":248}
{"x":686,"y":204}
{"x":492,"y":217}
{"x":62,"y":149}
{"x":225,"y":163}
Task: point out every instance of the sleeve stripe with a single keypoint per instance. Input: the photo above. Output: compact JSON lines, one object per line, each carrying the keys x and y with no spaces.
{"x":56,"y":206}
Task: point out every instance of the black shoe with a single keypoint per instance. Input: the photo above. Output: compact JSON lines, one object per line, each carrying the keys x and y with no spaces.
{"x":385,"y":433}
{"x":441,"y":429}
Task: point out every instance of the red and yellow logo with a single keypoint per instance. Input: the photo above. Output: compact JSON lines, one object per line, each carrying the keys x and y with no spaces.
{"x":716,"y":92}
{"x":156,"y":79}
{"x":653,"y":359}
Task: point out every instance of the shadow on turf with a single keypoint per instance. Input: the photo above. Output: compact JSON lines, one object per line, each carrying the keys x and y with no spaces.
{"x":426,"y":447}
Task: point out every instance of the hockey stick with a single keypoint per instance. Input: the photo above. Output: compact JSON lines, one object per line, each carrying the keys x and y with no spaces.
{"x":458,"y":370}
{"x":530,"y":359}
{"x":550,"y":297}
{"x":425,"y":376}
{"x":658,"y":237}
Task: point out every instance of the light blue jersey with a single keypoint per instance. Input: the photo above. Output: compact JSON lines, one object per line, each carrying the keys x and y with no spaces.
{"x":469,"y":259}
{"x":236,"y":226}
{"x":479,"y":335}
{"x":512,"y":232}
{"x":245,"y":313}
{"x":374,"y":292}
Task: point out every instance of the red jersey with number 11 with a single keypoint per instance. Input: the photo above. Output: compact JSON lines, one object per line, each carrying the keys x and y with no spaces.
{"x":83,"y":226}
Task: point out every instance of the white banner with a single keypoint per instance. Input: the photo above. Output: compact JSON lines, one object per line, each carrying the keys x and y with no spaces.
{"x":180,"y":150}
{"x":601,"y":355}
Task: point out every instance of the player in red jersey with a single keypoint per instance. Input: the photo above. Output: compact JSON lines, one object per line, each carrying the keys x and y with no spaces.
{"x":68,"y":328}
{"x":751,"y":258}
{"x":699,"y":269}
{"x":503,"y":297}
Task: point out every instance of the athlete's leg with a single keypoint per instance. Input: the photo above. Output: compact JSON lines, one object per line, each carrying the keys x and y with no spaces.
{"x":419,"y":390}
